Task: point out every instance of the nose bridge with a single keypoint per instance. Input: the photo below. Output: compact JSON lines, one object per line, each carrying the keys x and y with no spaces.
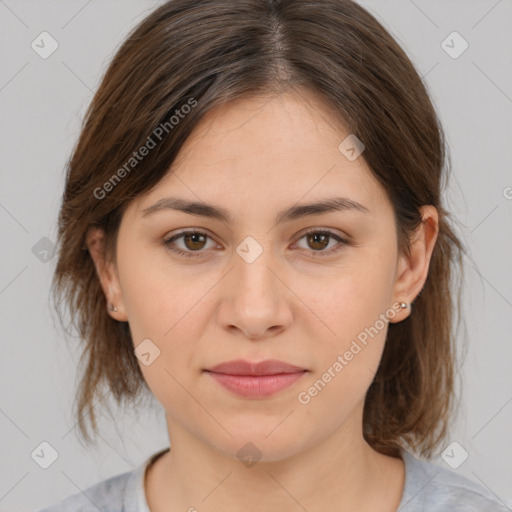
{"x":253,"y":279}
{"x":255,"y":300}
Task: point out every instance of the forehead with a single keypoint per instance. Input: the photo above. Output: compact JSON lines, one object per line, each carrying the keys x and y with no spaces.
{"x":266,"y":151}
{"x":261,"y":125}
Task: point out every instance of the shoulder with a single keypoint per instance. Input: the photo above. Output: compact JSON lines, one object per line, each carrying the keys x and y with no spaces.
{"x":119,"y":493}
{"x":107,"y":495}
{"x":432,"y":488}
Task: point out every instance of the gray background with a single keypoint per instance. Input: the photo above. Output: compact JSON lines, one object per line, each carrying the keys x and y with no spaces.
{"x":42,"y":102}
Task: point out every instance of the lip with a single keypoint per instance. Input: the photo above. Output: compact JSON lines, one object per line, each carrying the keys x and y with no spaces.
{"x":267,"y":367}
{"x":256,"y":379}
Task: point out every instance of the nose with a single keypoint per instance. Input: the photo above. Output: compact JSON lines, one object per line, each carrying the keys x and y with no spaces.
{"x":255,"y":300}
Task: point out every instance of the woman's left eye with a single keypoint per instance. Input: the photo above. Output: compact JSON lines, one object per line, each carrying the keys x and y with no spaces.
{"x":320,"y":239}
{"x":194,"y":241}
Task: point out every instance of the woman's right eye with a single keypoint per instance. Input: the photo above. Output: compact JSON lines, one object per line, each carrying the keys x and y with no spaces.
{"x":194,"y":241}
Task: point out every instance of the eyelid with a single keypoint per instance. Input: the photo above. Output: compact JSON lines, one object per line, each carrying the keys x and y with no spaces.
{"x":331,"y":231}
{"x":203,"y":231}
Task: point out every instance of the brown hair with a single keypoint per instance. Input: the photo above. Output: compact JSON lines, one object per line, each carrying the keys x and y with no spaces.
{"x":216,"y":51}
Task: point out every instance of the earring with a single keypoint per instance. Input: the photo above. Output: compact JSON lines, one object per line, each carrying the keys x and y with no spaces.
{"x":111,"y":307}
{"x":403,"y":305}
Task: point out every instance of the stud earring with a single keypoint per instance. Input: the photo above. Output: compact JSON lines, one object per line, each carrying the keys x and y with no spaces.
{"x":404,"y":305}
{"x":111,"y":307}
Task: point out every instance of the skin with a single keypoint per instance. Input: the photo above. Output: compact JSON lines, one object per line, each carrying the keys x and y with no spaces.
{"x":256,"y":157}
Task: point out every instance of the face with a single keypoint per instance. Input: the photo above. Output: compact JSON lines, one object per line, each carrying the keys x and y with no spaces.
{"x":315,"y":291}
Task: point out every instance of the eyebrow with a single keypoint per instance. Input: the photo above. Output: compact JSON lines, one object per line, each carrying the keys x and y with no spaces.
{"x":216,"y":212}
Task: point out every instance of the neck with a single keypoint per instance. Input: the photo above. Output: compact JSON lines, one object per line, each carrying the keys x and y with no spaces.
{"x":343,"y":473}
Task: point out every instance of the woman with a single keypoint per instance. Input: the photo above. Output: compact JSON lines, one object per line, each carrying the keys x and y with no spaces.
{"x":252,"y":230}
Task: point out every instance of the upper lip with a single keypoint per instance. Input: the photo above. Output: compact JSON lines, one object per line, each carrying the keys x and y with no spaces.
{"x":267,"y":367}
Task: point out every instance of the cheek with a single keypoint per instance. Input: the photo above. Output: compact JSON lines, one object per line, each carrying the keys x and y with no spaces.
{"x":344,"y":372}
{"x":165,"y":317}
{"x":349,"y":326}
{"x":159,"y":299}
{"x":345,"y":303}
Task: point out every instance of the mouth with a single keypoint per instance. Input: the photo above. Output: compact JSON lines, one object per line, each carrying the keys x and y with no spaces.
{"x":256,"y":380}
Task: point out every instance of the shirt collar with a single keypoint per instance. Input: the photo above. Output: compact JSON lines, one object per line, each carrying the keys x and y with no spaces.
{"x":134,"y":498}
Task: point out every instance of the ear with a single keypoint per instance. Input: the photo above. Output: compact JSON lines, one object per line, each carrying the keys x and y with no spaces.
{"x":412,"y":271}
{"x":107,"y":273}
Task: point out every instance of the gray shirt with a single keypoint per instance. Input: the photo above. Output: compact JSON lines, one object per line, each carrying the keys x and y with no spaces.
{"x":427,"y":488}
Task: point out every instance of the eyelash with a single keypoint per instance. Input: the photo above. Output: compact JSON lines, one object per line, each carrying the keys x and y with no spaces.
{"x":168,"y":243}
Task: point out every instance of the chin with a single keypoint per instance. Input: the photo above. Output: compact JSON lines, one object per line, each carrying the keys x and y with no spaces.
{"x":256,"y":445}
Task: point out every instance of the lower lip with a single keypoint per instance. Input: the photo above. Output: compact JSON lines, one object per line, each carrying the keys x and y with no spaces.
{"x":256,"y":386}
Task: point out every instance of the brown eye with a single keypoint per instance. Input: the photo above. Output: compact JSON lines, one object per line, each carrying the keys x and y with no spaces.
{"x":194,"y":241}
{"x":318,"y":241}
